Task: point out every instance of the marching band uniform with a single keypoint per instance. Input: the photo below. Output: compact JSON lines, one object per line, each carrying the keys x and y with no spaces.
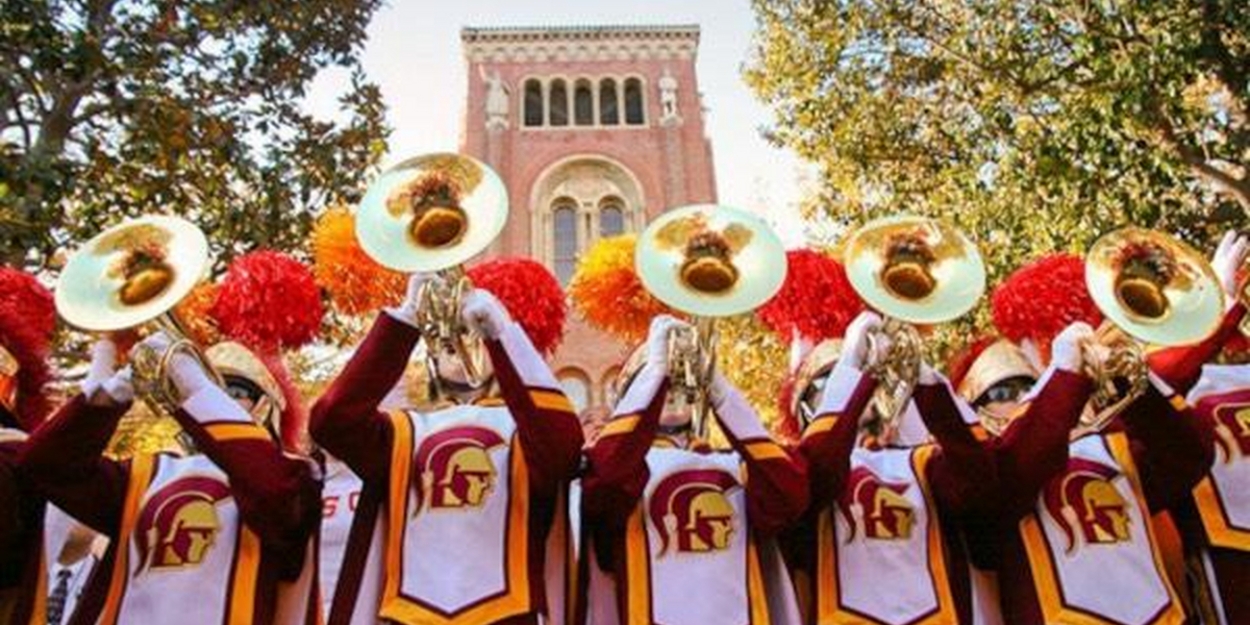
{"x":233,"y":527}
{"x":1086,"y":541}
{"x":887,"y":511}
{"x":457,"y":503}
{"x":26,"y":321}
{"x":668,"y":520}
{"x":1215,"y":518}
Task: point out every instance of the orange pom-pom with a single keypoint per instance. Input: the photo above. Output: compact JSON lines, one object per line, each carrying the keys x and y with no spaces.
{"x":268,"y":301}
{"x":608,"y":294}
{"x":530,"y":293}
{"x":194,"y":312}
{"x":1039,"y":300}
{"x":355,"y":282}
{"x":816,"y":301}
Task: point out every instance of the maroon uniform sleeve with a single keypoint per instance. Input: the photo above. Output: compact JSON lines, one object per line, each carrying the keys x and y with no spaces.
{"x":1181,"y":366}
{"x":345,"y":420}
{"x":776,"y":483}
{"x":962,"y":474}
{"x":1172,"y":447}
{"x":279,"y":496}
{"x":551,"y":435}
{"x":64,"y":459}
{"x":1034,"y":448}
{"x":616,"y":471}
{"x":828,"y":440}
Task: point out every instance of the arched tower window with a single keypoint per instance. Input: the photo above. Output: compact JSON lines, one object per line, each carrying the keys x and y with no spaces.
{"x":583,"y":104}
{"x":564,"y":238}
{"x":611,"y":217}
{"x":533,"y":102}
{"x":609,"y":113}
{"x":576,"y":385}
{"x":633,"y":102}
{"x":559,"y":103}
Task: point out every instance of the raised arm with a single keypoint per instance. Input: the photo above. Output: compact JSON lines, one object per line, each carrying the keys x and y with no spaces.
{"x":776,"y":483}
{"x":616,"y":471}
{"x":1180,"y":366}
{"x":547,"y":425}
{"x":1035,"y":446}
{"x":1172,"y":447}
{"x":828,"y":440}
{"x":962,"y":474}
{"x":65,"y":461}
{"x":346,"y":420}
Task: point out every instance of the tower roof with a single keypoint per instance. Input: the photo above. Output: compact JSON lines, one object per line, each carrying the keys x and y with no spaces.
{"x":580,"y":43}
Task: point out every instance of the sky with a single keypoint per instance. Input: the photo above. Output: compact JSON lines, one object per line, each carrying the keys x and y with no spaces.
{"x":413,"y":53}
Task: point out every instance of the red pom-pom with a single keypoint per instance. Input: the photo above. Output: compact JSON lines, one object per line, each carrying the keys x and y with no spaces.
{"x":268,"y":301}
{"x":959,"y":364}
{"x":27,"y":320}
{"x":816,"y":301}
{"x":1039,"y":300}
{"x":531,"y":294}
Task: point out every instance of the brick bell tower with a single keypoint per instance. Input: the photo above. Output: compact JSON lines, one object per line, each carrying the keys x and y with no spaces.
{"x":595,"y":130}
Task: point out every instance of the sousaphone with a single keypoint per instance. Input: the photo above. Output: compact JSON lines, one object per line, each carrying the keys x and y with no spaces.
{"x":913,"y":270}
{"x":135,"y":274}
{"x":1152,"y":289}
{"x":433,"y":213}
{"x":706,"y":261}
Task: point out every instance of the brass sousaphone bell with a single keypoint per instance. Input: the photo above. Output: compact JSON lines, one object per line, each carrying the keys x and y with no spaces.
{"x":913,"y":270}
{"x":135,"y":274}
{"x":1154,"y":289}
{"x":432,"y":213}
{"x":706,"y":261}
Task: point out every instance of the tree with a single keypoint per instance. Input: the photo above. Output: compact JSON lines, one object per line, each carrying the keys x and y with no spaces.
{"x":112,"y":108}
{"x":1035,"y":125}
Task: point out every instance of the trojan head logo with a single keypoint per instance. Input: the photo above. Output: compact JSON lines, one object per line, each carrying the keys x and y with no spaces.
{"x":877,"y":509}
{"x":178,"y":524}
{"x":692,"y":511}
{"x":1087,"y":505}
{"x":455,"y":467}
{"x":1232,"y":429}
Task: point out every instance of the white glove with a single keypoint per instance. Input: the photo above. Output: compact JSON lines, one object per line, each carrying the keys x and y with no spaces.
{"x":1067,"y":352}
{"x":657,"y":340}
{"x":855,"y":345}
{"x":120,"y":387}
{"x":482,"y":313}
{"x":103,"y":366}
{"x":186,"y":373}
{"x":407,"y":310}
{"x":1228,"y":258}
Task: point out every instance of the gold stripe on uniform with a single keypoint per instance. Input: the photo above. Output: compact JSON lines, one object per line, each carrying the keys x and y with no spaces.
{"x":766,"y":450}
{"x":620,"y":425}
{"x":551,"y":400}
{"x":223,"y":432}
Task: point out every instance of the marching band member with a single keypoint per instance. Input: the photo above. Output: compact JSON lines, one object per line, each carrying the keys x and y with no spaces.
{"x":232,"y":526}
{"x":457,"y":503}
{"x":27,"y":319}
{"x":883,"y":506}
{"x":1215,"y":519}
{"x":672,"y":517}
{"x":1085,"y":543}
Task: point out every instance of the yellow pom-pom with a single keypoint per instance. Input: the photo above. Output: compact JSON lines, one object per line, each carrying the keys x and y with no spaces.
{"x":356,"y":283}
{"x":607,"y":293}
{"x":193,"y":314}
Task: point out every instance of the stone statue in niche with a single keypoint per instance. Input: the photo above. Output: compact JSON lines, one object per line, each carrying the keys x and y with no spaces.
{"x":668,"y":97}
{"x":496,"y":100}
